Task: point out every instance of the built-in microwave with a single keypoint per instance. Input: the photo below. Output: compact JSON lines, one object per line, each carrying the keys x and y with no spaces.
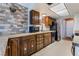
{"x":33,"y":29}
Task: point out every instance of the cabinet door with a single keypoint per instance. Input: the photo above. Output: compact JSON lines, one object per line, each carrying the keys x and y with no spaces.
{"x":39,"y":46}
{"x":15,"y":46}
{"x":39,"y":42}
{"x":31,"y":45}
{"x":34,"y":17}
{"x":47,"y":39}
{"x":8,"y":49}
{"x":24,"y":46}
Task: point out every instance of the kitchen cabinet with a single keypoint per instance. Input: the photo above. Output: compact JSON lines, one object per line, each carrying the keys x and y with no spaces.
{"x":48,"y":20}
{"x":27,"y":45}
{"x":23,"y":46}
{"x":39,"y":41}
{"x":13,"y":48}
{"x":47,"y":39}
{"x":31,"y":45}
{"x":34,"y":17}
{"x":8,"y":49}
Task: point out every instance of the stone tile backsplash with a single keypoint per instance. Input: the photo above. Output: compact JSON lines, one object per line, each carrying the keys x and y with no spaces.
{"x":13,"y":18}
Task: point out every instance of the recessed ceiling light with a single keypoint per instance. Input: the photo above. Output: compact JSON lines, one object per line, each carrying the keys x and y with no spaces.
{"x":44,"y":15}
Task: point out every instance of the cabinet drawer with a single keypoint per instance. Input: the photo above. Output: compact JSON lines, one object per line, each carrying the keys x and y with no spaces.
{"x":39,"y":47}
{"x":40,"y":42}
{"x":39,"y":39}
{"x":47,"y":34}
{"x":29,"y":37}
{"x":40,"y":36}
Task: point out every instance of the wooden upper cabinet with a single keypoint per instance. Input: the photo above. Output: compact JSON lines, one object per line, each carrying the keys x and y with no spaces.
{"x":34,"y":17}
{"x":48,"y":20}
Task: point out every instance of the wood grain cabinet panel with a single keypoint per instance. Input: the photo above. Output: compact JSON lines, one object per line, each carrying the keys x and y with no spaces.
{"x":39,"y":41}
{"x":27,"y":45}
{"x":31,"y":45}
{"x":48,"y":20}
{"x":23,"y":46}
{"x":13,"y":47}
{"x":34,"y":17}
{"x":47,"y":39}
{"x":8,"y":49}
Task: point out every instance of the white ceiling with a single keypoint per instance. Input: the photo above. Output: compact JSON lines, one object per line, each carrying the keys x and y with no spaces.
{"x":60,"y":11}
{"x":72,"y":9}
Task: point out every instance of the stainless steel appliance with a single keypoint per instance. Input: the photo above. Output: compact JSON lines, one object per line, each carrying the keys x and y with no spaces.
{"x":33,"y":29}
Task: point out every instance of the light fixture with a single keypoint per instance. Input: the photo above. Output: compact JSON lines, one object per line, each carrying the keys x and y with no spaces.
{"x":43,"y":15}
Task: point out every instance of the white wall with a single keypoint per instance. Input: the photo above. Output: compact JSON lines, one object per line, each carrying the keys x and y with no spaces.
{"x":65,"y":28}
{"x":76,"y":23}
{"x":69,"y":28}
{"x":61,"y":30}
{"x":42,"y":8}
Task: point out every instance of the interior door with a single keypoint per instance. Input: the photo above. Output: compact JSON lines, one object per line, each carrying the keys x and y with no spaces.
{"x":69,"y":28}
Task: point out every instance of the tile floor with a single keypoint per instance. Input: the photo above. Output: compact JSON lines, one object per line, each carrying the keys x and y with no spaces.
{"x":60,"y":48}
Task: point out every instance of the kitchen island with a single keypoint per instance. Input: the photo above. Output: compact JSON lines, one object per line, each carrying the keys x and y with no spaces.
{"x":24,"y":44}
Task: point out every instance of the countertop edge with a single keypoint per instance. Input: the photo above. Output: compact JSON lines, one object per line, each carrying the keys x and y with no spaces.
{"x":27,"y":34}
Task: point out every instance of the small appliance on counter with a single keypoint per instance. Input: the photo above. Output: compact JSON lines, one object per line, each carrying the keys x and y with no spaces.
{"x":33,"y":29}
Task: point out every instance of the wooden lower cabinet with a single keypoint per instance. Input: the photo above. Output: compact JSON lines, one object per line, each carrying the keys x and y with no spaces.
{"x":39,"y":41}
{"x":31,"y":45}
{"x":23,"y":46}
{"x":47,"y":39}
{"x":27,"y":45}
{"x":13,"y":46}
{"x":8,"y":49}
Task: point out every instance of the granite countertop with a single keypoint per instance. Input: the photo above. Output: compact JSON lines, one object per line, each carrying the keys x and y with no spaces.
{"x":4,"y":39}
